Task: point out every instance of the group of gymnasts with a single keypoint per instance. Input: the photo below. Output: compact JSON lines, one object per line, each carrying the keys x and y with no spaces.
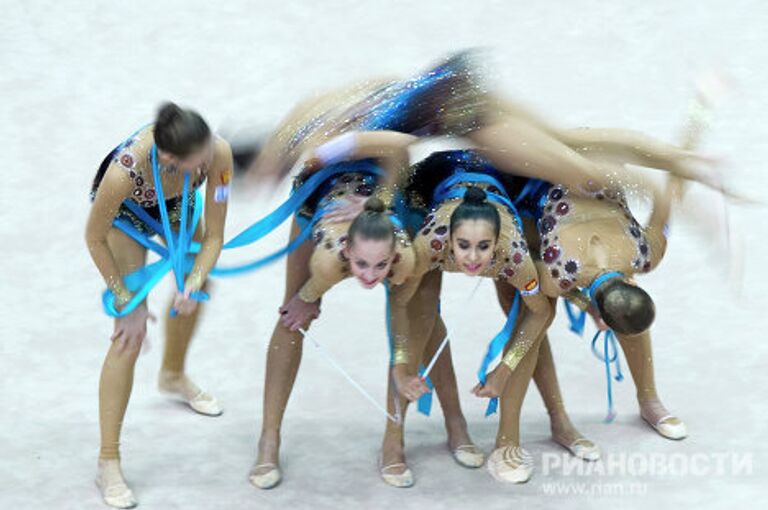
{"x":541,"y":210}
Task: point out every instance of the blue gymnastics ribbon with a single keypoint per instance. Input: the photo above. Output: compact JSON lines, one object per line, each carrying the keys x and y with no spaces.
{"x":496,"y":348}
{"x":287,"y":209}
{"x":610,"y":354}
{"x":576,"y":318}
{"x":146,"y":276}
{"x":597,"y":282}
{"x":424,"y":404}
{"x":300,"y":195}
{"x":173,"y":257}
{"x":446,"y":190}
{"x":304,"y":234}
{"x":180,"y":247}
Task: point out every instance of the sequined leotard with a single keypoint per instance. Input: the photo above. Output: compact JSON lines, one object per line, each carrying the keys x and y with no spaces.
{"x":615,"y":240}
{"x":134,"y":157}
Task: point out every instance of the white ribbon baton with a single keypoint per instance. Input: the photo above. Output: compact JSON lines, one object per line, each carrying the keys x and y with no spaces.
{"x":326,"y":354}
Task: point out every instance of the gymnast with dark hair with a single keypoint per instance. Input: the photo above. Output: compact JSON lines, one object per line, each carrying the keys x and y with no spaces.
{"x":180,"y":148}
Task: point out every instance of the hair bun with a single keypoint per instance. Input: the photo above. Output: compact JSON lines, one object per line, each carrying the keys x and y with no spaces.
{"x":179,"y":131}
{"x":374,"y":204}
{"x":475,"y":195}
{"x":168,"y":112}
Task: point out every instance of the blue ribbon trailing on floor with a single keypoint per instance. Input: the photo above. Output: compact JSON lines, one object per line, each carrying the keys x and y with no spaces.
{"x":610,"y":354}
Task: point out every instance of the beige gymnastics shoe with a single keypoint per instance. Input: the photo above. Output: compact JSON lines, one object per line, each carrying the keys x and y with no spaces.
{"x":112,"y":486}
{"x":510,"y":464}
{"x":469,"y":456}
{"x":265,"y":476}
{"x":179,"y":386}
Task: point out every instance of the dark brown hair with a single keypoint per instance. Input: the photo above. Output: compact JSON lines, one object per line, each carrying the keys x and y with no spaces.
{"x":179,"y":131}
{"x":476,"y":206}
{"x":372,"y":223}
{"x":625,"y":308}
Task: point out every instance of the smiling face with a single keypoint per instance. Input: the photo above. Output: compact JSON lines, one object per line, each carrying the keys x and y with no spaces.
{"x":473,"y":243}
{"x":370,"y":260}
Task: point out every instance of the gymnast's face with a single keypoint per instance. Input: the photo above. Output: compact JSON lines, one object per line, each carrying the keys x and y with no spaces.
{"x":370,"y":260}
{"x":472,"y":244}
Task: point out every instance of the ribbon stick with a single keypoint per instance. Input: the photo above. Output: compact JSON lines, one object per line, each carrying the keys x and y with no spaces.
{"x":355,"y":384}
{"x":423,"y":376}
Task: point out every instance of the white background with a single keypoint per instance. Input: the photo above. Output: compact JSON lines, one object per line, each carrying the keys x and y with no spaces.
{"x":77,"y":77}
